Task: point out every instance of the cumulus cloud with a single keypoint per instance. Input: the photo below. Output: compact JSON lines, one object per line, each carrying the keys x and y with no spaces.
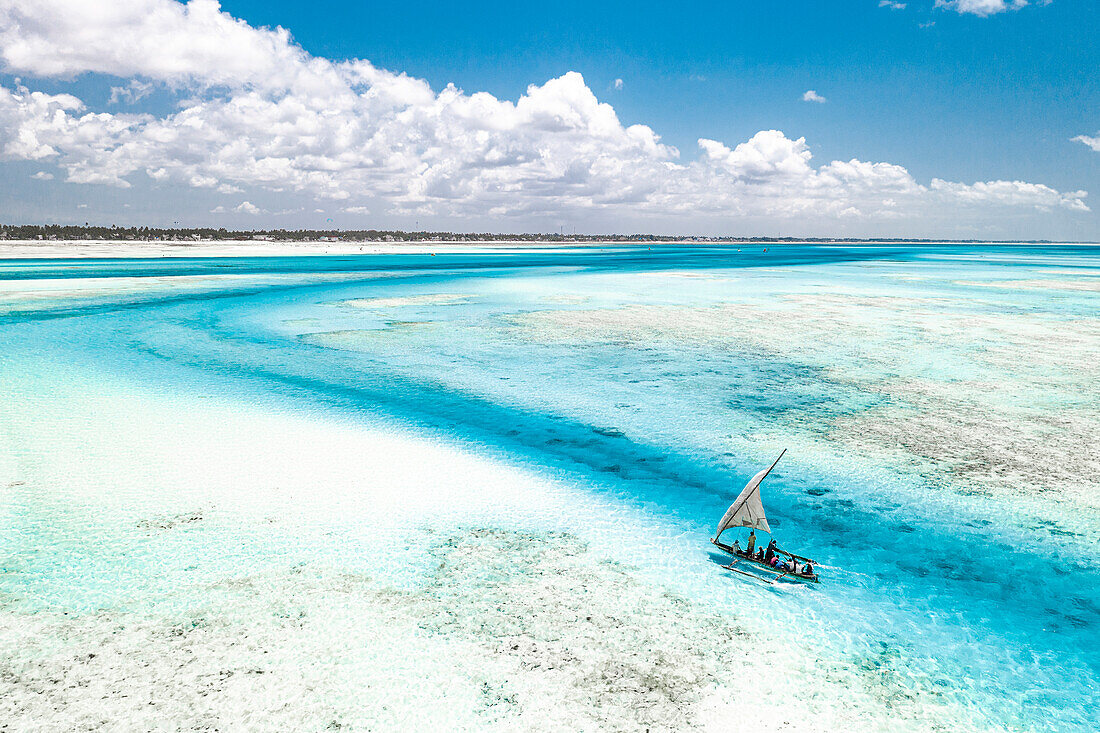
{"x":245,"y":207}
{"x":812,"y":96}
{"x":981,"y":8}
{"x":771,"y":174}
{"x":1012,"y":193}
{"x":618,"y":83}
{"x":256,"y":111}
{"x":892,"y":4}
{"x":42,"y":176}
{"x":160,"y":39}
{"x":132,"y":93}
{"x":1092,"y":142}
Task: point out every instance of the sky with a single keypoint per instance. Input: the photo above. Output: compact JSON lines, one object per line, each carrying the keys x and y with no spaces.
{"x":925,"y":118}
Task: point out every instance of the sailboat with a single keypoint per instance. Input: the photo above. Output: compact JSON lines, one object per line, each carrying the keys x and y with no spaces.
{"x":748,"y":511}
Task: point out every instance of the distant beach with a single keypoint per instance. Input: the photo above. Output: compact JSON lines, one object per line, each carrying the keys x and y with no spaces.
{"x":93,"y":248}
{"x":242,"y":248}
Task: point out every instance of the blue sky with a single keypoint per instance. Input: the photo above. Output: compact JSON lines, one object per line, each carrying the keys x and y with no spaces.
{"x":974,"y":97}
{"x":988,"y":102}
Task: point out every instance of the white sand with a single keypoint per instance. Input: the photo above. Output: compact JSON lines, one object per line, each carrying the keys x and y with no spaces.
{"x":24,"y":249}
{"x":412,"y":300}
{"x":178,"y":562}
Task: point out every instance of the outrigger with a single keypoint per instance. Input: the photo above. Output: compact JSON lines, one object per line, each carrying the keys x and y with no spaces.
{"x":748,"y":511}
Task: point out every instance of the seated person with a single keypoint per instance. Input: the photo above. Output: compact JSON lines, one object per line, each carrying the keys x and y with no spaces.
{"x":737,"y":547}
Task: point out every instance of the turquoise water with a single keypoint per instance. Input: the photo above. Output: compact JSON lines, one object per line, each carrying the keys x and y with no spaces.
{"x":938,"y":404}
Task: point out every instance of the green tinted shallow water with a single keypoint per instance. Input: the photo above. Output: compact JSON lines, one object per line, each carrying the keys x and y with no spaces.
{"x":937,"y":403}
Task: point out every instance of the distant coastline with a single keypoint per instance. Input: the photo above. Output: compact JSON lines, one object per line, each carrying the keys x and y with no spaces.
{"x":92,"y":248}
{"x":185,"y":235}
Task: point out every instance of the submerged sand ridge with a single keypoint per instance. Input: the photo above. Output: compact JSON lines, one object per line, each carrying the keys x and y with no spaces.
{"x":511,"y":630}
{"x":412,"y":300}
{"x":1030,"y":431}
{"x":61,"y":296}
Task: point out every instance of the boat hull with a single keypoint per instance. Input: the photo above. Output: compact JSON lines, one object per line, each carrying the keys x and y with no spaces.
{"x":761,"y":565}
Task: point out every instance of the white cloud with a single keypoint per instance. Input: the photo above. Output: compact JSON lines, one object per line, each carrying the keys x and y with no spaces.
{"x":618,"y":83}
{"x":26,"y":117}
{"x":1012,"y":193}
{"x":1092,"y":142}
{"x":245,"y":207}
{"x":768,"y":155}
{"x":982,"y":8}
{"x":892,"y":4}
{"x":258,"y":112}
{"x":132,"y":93}
{"x":42,"y":176}
{"x":812,"y":96}
{"x":158,"y":39}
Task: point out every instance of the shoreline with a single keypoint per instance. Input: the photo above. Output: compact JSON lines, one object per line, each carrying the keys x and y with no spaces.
{"x":124,"y":249}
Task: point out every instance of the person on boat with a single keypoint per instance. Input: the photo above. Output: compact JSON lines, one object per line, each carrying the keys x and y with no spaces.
{"x":737,"y":547}
{"x":760,"y":554}
{"x":770,"y":552}
{"x":808,"y":570}
{"x":751,"y":542}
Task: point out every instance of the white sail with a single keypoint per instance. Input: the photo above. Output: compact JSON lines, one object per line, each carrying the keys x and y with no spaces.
{"x":747,"y":510}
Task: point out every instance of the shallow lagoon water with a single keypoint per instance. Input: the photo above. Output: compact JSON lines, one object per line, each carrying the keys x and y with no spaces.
{"x":936,"y":402}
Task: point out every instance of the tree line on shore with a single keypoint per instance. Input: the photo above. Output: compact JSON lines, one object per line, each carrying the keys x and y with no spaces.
{"x":185,"y":234}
